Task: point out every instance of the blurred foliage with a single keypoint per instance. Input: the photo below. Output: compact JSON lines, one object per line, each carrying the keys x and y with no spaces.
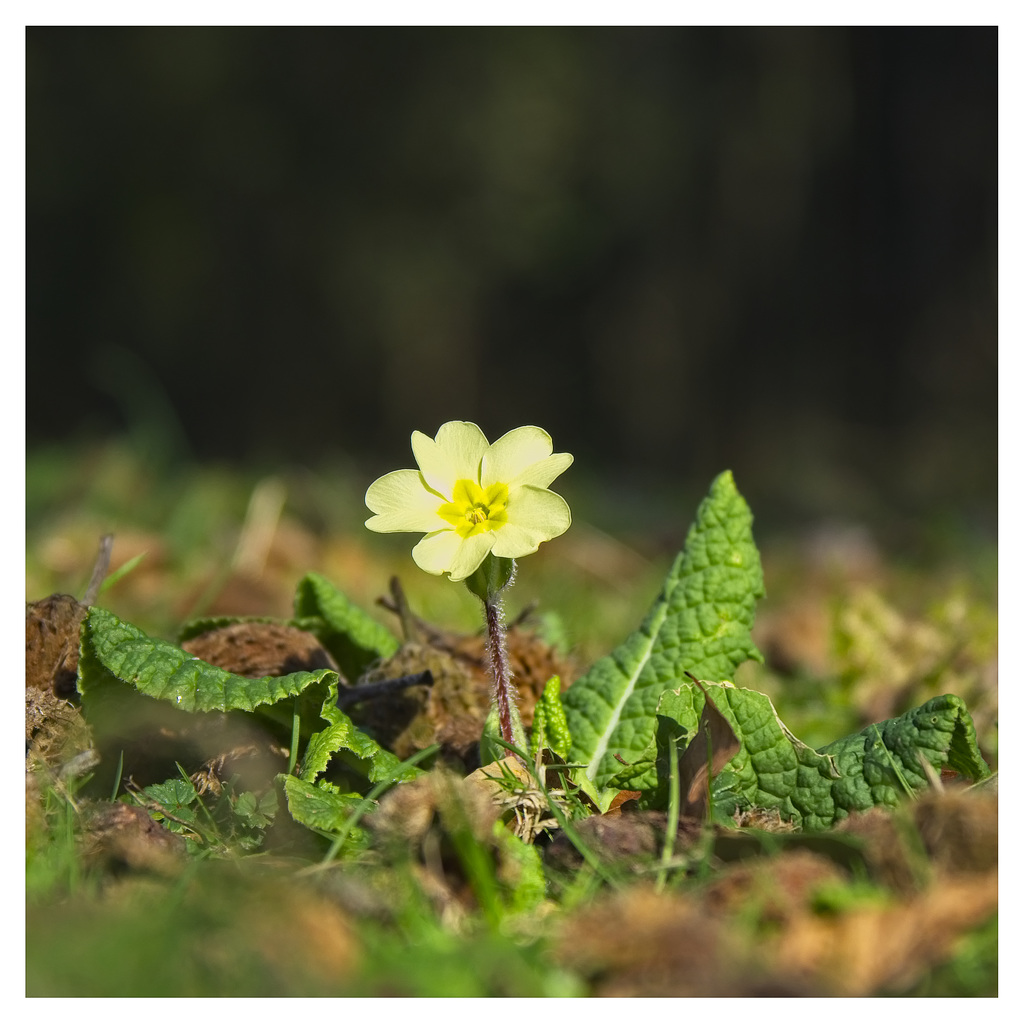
{"x":679,"y":250}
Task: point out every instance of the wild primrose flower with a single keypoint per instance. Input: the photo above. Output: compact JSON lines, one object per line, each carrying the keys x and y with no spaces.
{"x":473,"y":499}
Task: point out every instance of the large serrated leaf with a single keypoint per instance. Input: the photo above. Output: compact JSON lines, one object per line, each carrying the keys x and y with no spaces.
{"x":165,"y":672}
{"x":699,"y":623}
{"x":353,"y":637}
{"x":129,"y":679}
{"x":773,"y":769}
{"x":881,"y":762}
{"x":814,"y":789}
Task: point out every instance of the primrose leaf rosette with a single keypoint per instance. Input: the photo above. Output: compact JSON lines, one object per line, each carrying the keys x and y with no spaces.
{"x":472,"y":498}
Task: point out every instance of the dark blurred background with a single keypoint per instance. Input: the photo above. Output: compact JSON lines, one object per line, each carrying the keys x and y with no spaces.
{"x":678,"y":250}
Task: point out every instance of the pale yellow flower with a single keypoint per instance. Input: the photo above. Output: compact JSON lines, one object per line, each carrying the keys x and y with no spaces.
{"x":472,"y":498}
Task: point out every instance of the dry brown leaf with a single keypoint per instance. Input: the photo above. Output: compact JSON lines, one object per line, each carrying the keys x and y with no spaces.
{"x":776,"y":888}
{"x":647,"y":943}
{"x":56,"y":734}
{"x":631,"y":839}
{"x":867,"y":950}
{"x":959,"y":829}
{"x":955,"y":831}
{"x":715,"y":742}
{"x":310,"y":932}
{"x":290,"y":927}
{"x":52,"y":628}
{"x":451,"y":712}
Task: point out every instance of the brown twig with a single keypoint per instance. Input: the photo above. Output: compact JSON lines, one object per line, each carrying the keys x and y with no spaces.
{"x":100,"y":569}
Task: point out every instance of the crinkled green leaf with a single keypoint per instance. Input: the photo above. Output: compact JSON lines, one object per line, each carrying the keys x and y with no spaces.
{"x":631,"y":772}
{"x":115,"y":653}
{"x":319,"y":806}
{"x":167,"y":673}
{"x":773,"y":768}
{"x":373,"y":761}
{"x":880,"y":762}
{"x":699,"y":623}
{"x":354,"y":638}
{"x":817,"y":788}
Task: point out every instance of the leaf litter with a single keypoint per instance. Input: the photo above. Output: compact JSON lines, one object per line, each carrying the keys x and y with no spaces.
{"x":755,"y":904}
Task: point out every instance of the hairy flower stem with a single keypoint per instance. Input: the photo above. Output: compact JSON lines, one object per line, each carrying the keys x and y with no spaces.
{"x":488,"y":583}
{"x":504,"y":691}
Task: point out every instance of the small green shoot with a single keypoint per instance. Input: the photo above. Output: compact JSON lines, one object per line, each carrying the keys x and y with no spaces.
{"x":119,"y":573}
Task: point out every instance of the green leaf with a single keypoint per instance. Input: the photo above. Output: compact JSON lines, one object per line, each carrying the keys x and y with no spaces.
{"x":166,"y":673}
{"x":179,"y":803}
{"x":879,"y":762}
{"x":256,"y":812}
{"x":699,"y":623}
{"x":129,"y":677}
{"x":773,"y":769}
{"x":550,"y":728}
{"x":817,"y":788}
{"x":321,"y":806}
{"x":341,"y":735}
{"x":353,"y":637}
{"x":174,"y":795}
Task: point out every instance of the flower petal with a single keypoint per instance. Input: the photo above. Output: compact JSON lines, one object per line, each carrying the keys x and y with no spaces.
{"x":473,"y":551}
{"x":513,"y":453}
{"x":454,"y":454}
{"x":402,"y":503}
{"x":435,"y":552}
{"x":446,"y":551}
{"x":534,"y":516}
{"x":540,"y":474}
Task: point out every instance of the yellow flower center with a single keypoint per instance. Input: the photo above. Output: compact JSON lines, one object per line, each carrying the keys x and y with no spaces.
{"x":473,"y":510}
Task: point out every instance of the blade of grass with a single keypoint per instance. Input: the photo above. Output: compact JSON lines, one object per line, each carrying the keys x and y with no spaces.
{"x":293,"y":750}
{"x":117,"y":777}
{"x":119,"y":573}
{"x":672,"y":825}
